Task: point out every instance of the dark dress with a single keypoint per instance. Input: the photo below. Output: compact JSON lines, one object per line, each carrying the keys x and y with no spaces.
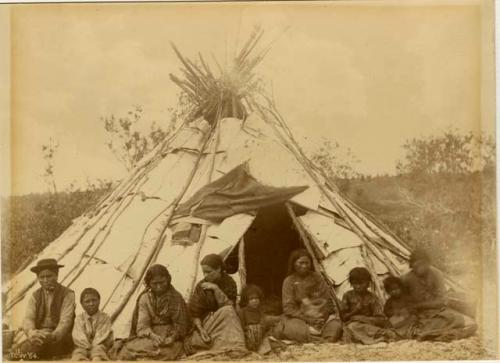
{"x":218,"y":316}
{"x":256,"y":326}
{"x":359,"y":331}
{"x":439,"y":323}
{"x":400,"y":318}
{"x":164,"y":315}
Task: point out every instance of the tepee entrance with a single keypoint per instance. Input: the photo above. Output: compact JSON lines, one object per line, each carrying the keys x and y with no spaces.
{"x":261,"y":255}
{"x":268,"y":244}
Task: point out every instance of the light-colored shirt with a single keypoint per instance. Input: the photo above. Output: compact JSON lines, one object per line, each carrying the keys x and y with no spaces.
{"x":90,"y":331}
{"x":65,"y":320}
{"x":47,"y":319}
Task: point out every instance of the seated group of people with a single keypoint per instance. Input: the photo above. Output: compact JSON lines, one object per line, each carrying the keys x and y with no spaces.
{"x":417,"y":307}
{"x":165,"y":327}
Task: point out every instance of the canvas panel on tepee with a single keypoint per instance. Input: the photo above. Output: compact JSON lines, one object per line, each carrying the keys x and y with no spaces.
{"x":234,"y":193}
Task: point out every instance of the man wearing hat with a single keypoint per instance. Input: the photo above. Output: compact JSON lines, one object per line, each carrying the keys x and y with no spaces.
{"x":50,"y":314}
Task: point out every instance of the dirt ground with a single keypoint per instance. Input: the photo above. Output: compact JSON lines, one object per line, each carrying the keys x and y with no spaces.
{"x":465,"y":349}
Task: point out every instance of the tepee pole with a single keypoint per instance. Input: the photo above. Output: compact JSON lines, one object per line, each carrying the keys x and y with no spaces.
{"x":318,"y":266}
{"x":157,"y":157}
{"x":281,"y":122}
{"x":242,"y":266}
{"x":376,"y":222}
{"x":157,"y":247}
{"x":301,"y":159}
{"x":86,"y":228}
{"x":375,"y":229}
{"x":373,"y":249}
{"x":136,"y":184}
{"x":305,"y":162}
{"x":210,"y":176}
{"x":126,"y":185}
{"x":378,"y":285}
{"x":125,"y":273}
{"x":142,"y":169}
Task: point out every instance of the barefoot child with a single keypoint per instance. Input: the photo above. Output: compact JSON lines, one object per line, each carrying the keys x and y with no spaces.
{"x":92,"y":332}
{"x":398,"y":308}
{"x":255,"y":323}
{"x":364,"y":320}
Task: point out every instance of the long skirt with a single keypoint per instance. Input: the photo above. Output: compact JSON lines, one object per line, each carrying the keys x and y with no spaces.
{"x":298,"y":331}
{"x":444,"y":325}
{"x":365,"y":333}
{"x":224,"y":327}
{"x":257,"y":335}
{"x":143,"y":348}
{"x":405,"y":326}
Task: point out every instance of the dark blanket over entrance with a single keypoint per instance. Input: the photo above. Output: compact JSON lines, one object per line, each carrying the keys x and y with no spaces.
{"x":236,"y":192}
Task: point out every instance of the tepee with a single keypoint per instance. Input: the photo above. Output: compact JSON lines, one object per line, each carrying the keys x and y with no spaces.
{"x":231,"y":180}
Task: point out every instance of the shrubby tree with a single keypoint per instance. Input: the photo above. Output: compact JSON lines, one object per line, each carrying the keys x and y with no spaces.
{"x":129,"y":143}
{"x":449,"y":179}
{"x":336,"y":162}
{"x":49,"y":151}
{"x":449,"y":152}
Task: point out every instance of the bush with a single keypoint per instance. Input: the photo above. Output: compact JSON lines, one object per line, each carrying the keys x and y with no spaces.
{"x":31,"y":222}
{"x":451,"y":215}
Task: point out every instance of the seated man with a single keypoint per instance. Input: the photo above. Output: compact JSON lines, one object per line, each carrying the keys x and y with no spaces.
{"x":428,"y":300}
{"x":49,"y":315}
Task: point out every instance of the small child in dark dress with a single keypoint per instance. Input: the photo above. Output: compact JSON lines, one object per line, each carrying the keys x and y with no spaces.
{"x":255,"y":323}
{"x":364,"y":320}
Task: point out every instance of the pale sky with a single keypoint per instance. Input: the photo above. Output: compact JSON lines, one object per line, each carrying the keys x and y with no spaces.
{"x":369,"y":76}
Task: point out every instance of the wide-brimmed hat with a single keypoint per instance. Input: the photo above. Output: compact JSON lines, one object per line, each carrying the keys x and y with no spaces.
{"x":46,"y":264}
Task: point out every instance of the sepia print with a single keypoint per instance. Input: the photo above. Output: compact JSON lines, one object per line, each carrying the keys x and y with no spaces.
{"x":254,"y":181}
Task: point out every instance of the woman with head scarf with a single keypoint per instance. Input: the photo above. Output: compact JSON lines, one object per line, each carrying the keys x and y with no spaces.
{"x":211,"y":306}
{"x":295,"y":324}
{"x":160,"y":321}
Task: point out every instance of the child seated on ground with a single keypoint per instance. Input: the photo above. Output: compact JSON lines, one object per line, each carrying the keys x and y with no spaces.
{"x":398,"y":308}
{"x":255,"y":323}
{"x":314,"y":307}
{"x":364,"y":320}
{"x":92,"y":332}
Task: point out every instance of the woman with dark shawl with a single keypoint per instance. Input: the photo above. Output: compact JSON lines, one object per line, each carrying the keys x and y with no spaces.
{"x":295,"y":325}
{"x":428,"y":301}
{"x":160,"y":321}
{"x":211,"y":306}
